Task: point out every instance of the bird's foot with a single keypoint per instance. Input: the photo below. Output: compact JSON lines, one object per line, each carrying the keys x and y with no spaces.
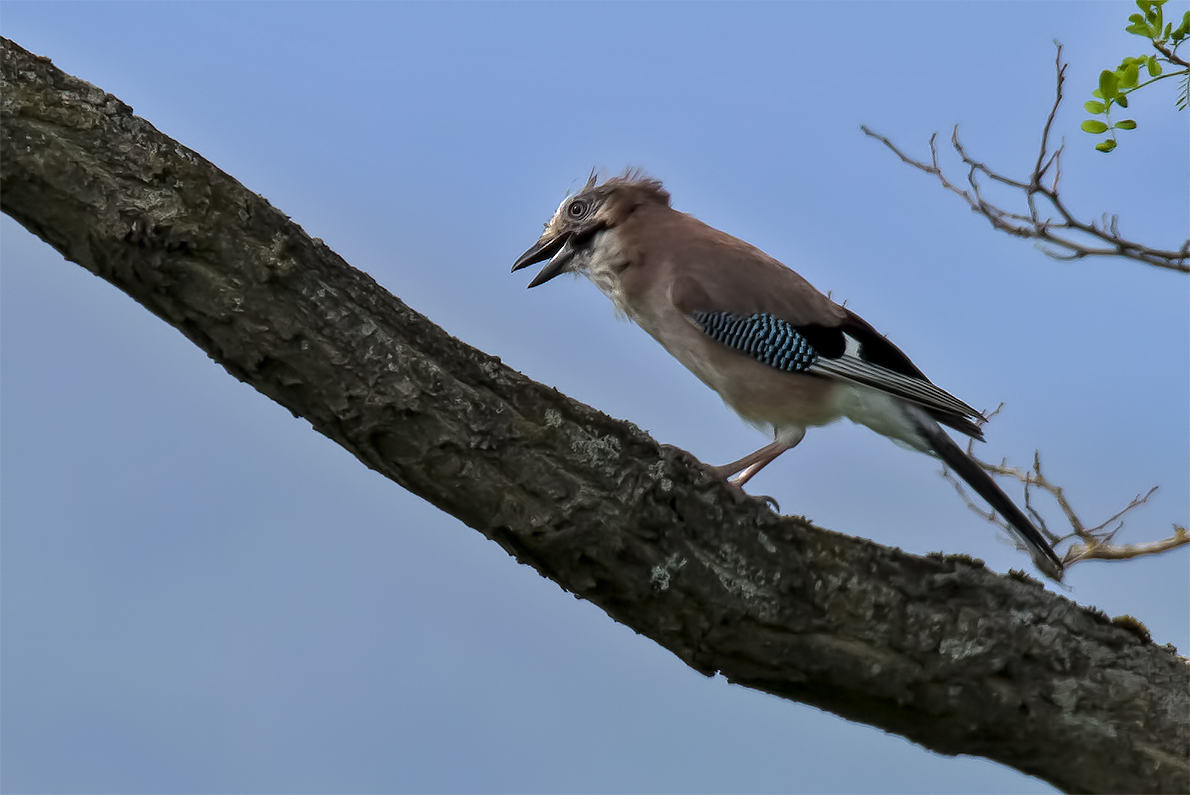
{"x":738,"y":489}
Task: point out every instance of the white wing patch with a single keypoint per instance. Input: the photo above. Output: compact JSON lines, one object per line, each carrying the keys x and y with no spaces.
{"x":852,"y":348}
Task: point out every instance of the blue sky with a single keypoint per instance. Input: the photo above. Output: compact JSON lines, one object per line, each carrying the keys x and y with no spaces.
{"x":201,"y":594}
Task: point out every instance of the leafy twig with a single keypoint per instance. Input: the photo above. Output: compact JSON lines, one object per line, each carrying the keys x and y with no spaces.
{"x":1115,"y":85}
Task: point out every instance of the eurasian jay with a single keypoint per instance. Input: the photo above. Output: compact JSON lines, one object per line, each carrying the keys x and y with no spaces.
{"x":777,"y":350}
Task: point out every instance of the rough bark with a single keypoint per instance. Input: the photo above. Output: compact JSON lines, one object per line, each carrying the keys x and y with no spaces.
{"x":938,"y":649}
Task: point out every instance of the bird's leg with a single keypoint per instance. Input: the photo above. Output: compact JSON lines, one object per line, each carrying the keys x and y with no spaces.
{"x":736,"y":470}
{"x":740,"y":472}
{"x":768,"y":454}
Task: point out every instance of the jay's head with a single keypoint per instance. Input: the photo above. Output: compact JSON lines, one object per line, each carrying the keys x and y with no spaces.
{"x":571,"y":236}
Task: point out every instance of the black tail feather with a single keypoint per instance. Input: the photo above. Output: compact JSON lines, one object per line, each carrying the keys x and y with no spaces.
{"x":973,"y":474}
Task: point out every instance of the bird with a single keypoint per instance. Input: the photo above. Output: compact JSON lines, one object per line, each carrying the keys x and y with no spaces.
{"x":779,"y":352}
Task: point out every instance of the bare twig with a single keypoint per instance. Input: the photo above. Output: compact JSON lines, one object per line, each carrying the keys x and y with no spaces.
{"x":1053,"y":235}
{"x":1115,"y":552}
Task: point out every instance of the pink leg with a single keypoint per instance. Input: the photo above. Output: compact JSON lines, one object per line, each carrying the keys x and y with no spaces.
{"x":744,"y":469}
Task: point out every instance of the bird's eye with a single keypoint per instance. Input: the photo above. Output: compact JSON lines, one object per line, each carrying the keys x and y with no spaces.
{"x":577,"y":209}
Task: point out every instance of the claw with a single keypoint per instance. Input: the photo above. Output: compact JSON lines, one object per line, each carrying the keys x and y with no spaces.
{"x":770,"y":500}
{"x":741,"y":494}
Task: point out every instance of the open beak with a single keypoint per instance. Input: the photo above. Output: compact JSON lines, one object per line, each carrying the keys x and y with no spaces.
{"x":554,"y":247}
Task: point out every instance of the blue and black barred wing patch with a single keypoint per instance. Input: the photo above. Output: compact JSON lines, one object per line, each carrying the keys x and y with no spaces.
{"x":765,"y":338}
{"x":778,"y":344}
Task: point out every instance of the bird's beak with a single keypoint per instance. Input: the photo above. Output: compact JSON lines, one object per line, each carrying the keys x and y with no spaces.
{"x":555,"y":247}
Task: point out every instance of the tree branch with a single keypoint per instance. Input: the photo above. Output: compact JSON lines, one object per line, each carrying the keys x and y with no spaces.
{"x":1053,"y":236}
{"x":937,"y":649}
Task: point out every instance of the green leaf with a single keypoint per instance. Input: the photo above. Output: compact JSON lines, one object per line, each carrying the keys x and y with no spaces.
{"x":1180,"y":32}
{"x":1154,"y":66}
{"x":1139,"y":28}
{"x":1105,"y":146}
{"x":1094,"y":107}
{"x":1097,"y":93}
{"x":1108,"y":84}
{"x":1130,"y":76}
{"x":1136,"y":18}
{"x":1122,"y":100}
{"x":1126,"y":124}
{"x":1094,"y":126}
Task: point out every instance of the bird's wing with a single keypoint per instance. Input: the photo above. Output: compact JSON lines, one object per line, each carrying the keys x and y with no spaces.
{"x":749,"y":301}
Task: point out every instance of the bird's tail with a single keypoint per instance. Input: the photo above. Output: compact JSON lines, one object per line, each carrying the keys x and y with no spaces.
{"x":973,"y":474}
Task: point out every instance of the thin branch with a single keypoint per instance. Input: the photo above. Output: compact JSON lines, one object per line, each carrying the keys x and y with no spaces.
{"x":1170,"y":54}
{"x":1053,"y":236}
{"x":1111,"y":552}
{"x":1039,"y":169}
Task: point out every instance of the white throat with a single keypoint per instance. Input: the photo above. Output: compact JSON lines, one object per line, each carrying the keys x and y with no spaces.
{"x":604,"y":263}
